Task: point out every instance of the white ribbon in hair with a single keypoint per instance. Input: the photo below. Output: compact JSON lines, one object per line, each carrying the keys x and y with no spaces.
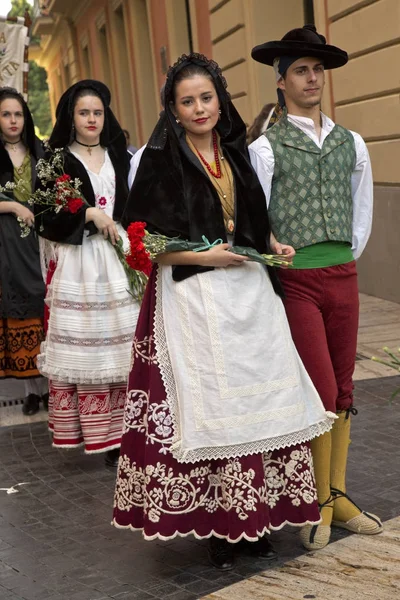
{"x":275,"y":65}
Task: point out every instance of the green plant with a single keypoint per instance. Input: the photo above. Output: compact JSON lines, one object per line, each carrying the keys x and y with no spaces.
{"x":392,"y":361}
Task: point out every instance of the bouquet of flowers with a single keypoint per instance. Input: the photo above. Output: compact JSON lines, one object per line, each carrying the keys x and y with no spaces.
{"x":62,"y":193}
{"x":145,"y":246}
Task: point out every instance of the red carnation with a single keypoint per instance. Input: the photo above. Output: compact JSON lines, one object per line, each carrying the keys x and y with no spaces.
{"x":73,"y":205}
{"x":138,"y":257}
{"x":63,"y":178}
{"x":136,"y":232}
{"x":140,"y":262}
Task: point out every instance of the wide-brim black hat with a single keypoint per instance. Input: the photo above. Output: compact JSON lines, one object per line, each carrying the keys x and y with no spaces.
{"x":304,"y":41}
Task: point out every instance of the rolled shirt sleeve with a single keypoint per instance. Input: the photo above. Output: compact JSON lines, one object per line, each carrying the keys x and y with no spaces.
{"x":134,"y":164}
{"x":362,"y":193}
{"x":262,"y":159}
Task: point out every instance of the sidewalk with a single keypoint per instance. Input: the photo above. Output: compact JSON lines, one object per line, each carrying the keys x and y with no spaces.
{"x":353,"y":568}
{"x":379,"y":326}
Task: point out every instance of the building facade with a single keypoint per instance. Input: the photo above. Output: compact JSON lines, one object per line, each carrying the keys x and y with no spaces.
{"x":129,"y":45}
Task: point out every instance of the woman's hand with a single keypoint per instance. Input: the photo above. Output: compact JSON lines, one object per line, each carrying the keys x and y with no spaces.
{"x":23,"y":213}
{"x":104,"y":224}
{"x":278,"y":248}
{"x":219,"y":256}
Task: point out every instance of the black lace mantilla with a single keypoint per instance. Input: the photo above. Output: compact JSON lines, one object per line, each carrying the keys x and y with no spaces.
{"x":193,"y":58}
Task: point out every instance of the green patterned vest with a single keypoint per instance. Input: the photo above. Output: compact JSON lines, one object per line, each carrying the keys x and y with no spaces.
{"x":311,"y":199}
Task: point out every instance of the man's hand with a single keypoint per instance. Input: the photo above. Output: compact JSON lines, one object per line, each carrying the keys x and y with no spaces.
{"x":278,"y":248}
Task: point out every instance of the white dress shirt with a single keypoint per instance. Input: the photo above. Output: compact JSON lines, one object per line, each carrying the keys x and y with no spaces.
{"x":262,"y":159}
{"x":135,"y":160}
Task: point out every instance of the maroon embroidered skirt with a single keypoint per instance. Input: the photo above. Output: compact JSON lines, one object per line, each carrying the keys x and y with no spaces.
{"x":232,"y":498}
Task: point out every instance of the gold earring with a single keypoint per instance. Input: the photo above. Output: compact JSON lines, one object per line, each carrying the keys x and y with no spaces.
{"x":177,"y":120}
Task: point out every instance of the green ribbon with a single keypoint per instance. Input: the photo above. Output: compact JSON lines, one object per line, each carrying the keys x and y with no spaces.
{"x":207,"y":244}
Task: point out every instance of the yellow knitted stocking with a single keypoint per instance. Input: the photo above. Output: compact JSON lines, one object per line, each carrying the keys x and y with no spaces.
{"x":321,"y":452}
{"x":343,"y":509}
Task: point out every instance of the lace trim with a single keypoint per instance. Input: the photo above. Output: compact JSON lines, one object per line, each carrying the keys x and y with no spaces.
{"x":198,"y":536}
{"x":164,"y":361}
{"x":221,"y":452}
{"x":258,"y":447}
{"x":80,"y":444}
{"x":87,"y":306}
{"x":72,"y":375}
{"x":91,"y":342}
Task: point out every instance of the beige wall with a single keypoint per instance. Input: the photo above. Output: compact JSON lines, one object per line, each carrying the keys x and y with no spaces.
{"x":366,"y":91}
{"x":365,"y":97}
{"x":236,"y":27}
{"x":379,"y":266}
{"x":121,"y":43}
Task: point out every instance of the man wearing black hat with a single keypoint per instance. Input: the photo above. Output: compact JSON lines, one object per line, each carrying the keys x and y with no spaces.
{"x":318,"y":183}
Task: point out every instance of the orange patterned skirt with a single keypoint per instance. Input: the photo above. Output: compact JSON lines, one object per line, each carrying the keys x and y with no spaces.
{"x":20,"y":341}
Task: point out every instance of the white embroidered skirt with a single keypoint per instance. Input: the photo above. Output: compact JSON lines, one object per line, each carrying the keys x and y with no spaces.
{"x":92,"y":315}
{"x":235,"y":383}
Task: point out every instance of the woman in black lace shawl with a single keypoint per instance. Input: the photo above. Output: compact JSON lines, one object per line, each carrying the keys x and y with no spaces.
{"x":21,"y":283}
{"x":219,"y":407}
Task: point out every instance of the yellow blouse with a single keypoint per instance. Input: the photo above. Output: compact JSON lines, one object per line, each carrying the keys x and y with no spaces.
{"x":23,"y":177}
{"x":224,"y":186}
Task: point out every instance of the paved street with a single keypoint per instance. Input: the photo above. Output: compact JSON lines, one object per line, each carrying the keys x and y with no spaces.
{"x":56,"y":541}
{"x":355,"y":567}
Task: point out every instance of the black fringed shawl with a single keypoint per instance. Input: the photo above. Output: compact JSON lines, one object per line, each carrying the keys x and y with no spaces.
{"x":175,"y":197}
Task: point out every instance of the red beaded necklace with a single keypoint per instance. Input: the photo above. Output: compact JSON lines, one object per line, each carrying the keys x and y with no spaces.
{"x":217,"y":173}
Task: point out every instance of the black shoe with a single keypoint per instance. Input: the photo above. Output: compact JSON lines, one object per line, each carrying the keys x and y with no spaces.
{"x":31,"y":405}
{"x":45,"y":400}
{"x":111,"y":458}
{"x":262,"y":548}
{"x":220,"y":554}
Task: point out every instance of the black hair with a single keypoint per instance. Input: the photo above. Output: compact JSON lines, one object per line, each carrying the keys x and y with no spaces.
{"x":187,"y":73}
{"x":255,"y":128}
{"x":7,"y":93}
{"x":82,"y":93}
{"x":86,"y":92}
{"x":28,"y":139}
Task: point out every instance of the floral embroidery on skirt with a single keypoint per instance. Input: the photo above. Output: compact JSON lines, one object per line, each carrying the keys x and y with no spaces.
{"x":231,"y":498}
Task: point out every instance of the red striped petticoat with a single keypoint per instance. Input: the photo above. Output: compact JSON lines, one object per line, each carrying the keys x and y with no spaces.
{"x":88,"y":415}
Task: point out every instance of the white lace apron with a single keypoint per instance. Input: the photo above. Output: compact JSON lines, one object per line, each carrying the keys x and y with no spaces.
{"x":92,"y":315}
{"x":235,"y":383}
